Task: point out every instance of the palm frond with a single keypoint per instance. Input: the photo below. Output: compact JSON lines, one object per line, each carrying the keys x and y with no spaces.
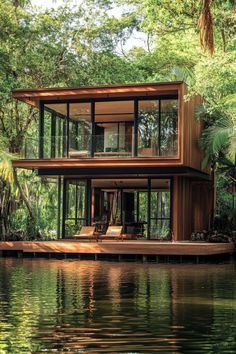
{"x":220,"y":138}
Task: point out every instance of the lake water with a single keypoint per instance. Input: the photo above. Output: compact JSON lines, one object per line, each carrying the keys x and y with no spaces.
{"x":70,"y":306}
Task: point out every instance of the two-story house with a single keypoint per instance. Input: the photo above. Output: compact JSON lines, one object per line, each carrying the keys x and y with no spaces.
{"x":123,"y":155}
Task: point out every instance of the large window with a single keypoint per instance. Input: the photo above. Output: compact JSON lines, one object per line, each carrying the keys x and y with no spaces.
{"x":114,"y":128}
{"x":75,"y":208}
{"x":160,"y":209}
{"x":79,"y":130}
{"x":141,"y":206}
{"x":157,"y":127}
{"x":54,"y":140}
{"x":122,"y":128}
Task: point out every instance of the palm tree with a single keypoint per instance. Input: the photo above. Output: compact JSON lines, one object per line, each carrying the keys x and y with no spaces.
{"x":219,"y":144}
{"x":7,"y":202}
{"x":10,"y":188}
{"x":219,"y":140}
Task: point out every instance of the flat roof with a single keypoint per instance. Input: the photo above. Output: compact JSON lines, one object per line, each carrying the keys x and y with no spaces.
{"x":34,"y":95}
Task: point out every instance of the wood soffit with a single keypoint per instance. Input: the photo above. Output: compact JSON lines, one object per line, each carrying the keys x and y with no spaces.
{"x":34,"y":96}
{"x":91,"y":163}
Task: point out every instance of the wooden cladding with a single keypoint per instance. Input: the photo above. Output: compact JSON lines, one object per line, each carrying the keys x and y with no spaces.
{"x":192,"y":207}
{"x":191,"y":130}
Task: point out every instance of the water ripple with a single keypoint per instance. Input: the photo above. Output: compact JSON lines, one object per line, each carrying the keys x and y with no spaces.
{"x":55,"y":306}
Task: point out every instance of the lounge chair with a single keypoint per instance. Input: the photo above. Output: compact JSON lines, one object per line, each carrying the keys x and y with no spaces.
{"x":86,"y":233}
{"x":113,"y":233}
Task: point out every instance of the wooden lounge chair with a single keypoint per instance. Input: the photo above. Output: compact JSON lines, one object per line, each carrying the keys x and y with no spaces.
{"x":113,"y":233}
{"x":86,"y":233}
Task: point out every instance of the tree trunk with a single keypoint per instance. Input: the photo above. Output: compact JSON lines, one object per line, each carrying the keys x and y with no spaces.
{"x":31,"y":225}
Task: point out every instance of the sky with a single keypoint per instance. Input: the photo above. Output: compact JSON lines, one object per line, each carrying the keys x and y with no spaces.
{"x":49,"y":3}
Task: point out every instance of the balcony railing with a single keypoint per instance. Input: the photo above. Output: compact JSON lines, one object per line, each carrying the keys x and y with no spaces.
{"x":86,"y":146}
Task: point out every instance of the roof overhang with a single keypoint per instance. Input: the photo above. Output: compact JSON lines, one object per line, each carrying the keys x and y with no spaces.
{"x":88,"y":168}
{"x":34,"y":96}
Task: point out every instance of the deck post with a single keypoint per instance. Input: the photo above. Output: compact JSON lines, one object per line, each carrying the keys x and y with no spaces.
{"x":88,"y":202}
{"x":19,"y":254}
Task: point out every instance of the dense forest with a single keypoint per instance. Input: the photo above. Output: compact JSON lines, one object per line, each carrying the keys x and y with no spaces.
{"x":105,"y":42}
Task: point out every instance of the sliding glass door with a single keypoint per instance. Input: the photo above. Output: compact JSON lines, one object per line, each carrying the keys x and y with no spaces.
{"x":160,"y":209}
{"x":141,"y":206}
{"x":75,"y":206}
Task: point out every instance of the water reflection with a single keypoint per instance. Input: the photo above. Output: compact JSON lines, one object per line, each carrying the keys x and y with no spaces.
{"x":102,"y":307}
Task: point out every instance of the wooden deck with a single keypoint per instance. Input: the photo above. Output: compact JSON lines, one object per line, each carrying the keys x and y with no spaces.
{"x":119,"y":247}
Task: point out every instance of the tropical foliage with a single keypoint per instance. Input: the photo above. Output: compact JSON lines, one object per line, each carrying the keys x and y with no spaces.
{"x":104,"y":41}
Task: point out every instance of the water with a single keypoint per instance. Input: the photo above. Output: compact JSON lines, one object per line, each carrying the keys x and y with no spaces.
{"x":70,"y":306}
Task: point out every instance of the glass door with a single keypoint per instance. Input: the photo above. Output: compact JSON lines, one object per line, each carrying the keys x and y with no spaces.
{"x":75,"y":209}
{"x":160,"y":207}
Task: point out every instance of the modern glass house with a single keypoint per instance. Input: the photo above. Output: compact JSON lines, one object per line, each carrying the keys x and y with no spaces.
{"x":122,"y":155}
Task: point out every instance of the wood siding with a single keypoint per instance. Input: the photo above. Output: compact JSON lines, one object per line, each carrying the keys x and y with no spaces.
{"x":202,"y":205}
{"x":192,"y":207}
{"x":191,"y":131}
{"x":182,"y":215}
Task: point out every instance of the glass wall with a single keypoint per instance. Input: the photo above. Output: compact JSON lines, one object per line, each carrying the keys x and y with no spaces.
{"x":142,"y":207}
{"x":114,"y":128}
{"x":79,"y":129}
{"x":54,"y":141}
{"x":110,"y":128}
{"x":148,"y":134}
{"x":160,"y":209}
{"x":169,"y":128}
{"x":75,"y":209}
{"x":157,"y":127}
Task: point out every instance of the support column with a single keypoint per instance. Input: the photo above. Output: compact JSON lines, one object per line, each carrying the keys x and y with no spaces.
{"x":67,"y":129}
{"x":88,"y":202}
{"x":136,"y":127}
{"x":64,"y":202}
{"x":59,"y":208}
{"x":41,"y":130}
{"x":149,"y":210}
{"x":93,"y":137}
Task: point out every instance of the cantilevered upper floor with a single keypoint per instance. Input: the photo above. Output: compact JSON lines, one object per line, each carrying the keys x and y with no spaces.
{"x":136,"y":123}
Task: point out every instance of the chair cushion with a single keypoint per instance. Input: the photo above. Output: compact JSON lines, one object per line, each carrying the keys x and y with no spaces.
{"x":114,"y":232}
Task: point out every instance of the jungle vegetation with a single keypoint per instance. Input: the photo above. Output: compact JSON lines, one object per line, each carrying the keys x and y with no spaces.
{"x":95,"y":42}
